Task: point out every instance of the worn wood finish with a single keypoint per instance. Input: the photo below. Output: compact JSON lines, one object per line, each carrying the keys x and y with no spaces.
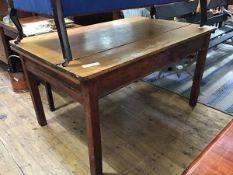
{"x":93,"y":39}
{"x":217,"y":158}
{"x":124,"y":51}
{"x":70,"y":86}
{"x":124,"y":41}
{"x":135,"y":51}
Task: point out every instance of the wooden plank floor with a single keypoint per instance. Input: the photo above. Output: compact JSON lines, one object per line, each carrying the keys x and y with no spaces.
{"x":145,"y":131}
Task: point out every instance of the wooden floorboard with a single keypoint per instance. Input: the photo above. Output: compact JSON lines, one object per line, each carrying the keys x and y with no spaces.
{"x":145,"y":131}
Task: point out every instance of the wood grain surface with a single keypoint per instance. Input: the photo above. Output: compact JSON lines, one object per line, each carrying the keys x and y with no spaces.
{"x":111,"y":45}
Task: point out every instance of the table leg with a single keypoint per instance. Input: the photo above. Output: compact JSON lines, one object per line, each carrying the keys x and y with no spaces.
{"x":49,"y":96}
{"x":36,"y":99}
{"x":93,"y":131}
{"x":199,"y":70}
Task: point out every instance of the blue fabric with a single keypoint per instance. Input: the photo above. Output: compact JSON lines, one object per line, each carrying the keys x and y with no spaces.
{"x":35,"y":6}
{"x":82,"y":7}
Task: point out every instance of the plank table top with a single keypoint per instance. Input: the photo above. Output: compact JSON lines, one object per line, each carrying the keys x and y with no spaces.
{"x":101,"y":48}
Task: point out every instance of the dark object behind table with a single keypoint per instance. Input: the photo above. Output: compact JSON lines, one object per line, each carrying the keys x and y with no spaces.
{"x":18,"y":80}
{"x":93,"y":19}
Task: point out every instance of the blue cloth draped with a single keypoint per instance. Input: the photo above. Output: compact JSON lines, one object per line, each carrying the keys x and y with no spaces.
{"x":82,"y":7}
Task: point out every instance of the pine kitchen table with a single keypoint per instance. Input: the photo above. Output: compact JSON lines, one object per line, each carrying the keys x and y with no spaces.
{"x":109,"y":56}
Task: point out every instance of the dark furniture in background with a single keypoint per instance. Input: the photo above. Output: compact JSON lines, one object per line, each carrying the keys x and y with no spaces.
{"x":178,"y":9}
{"x":187,"y":10}
{"x":96,"y":18}
{"x":224,"y":28}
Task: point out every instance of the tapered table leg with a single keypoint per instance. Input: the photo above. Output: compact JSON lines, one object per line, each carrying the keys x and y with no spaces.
{"x":49,"y":96}
{"x":93,"y":131}
{"x":200,"y":65}
{"x":36,"y":98}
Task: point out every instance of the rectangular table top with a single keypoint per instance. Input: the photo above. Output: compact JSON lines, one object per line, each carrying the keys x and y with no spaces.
{"x":101,"y":48}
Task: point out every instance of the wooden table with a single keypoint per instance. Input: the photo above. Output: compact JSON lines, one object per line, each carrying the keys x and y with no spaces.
{"x":109,"y":56}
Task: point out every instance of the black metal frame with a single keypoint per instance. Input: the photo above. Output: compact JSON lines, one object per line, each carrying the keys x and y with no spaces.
{"x":62,"y":32}
{"x":177,"y":9}
{"x":203,"y":4}
{"x":14,"y":17}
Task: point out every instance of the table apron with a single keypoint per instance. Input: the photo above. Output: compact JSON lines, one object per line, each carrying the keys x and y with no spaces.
{"x":119,"y":78}
{"x":71,"y":88}
{"x":10,"y":33}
